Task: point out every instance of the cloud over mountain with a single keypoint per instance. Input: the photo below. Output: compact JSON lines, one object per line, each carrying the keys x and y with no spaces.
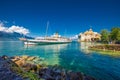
{"x":13,"y":28}
{"x":74,"y":37}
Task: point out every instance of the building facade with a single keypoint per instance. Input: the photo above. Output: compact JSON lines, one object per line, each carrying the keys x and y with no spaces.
{"x":89,"y":36}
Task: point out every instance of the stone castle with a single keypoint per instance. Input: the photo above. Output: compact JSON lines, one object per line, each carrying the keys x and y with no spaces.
{"x":89,"y":36}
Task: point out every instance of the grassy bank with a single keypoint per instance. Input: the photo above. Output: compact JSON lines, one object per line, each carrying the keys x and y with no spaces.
{"x":107,"y":52}
{"x":104,"y":47}
{"x":107,"y":49}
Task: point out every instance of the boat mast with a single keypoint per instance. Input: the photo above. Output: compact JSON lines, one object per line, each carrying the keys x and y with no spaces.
{"x":47,"y":29}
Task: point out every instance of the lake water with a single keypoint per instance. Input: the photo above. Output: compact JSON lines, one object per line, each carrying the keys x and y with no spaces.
{"x":74,"y":56}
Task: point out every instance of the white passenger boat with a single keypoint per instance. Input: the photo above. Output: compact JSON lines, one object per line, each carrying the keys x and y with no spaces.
{"x":55,"y":39}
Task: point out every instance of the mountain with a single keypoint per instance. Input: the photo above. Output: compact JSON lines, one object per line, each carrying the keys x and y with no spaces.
{"x":5,"y":36}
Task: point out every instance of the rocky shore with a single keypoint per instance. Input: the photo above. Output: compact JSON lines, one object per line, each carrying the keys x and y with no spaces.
{"x":111,"y":47}
{"x":32,"y":68}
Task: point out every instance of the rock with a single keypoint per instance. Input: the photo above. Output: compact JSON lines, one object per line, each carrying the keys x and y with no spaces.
{"x":30,"y":67}
{"x":7,"y":71}
{"x":80,"y":76}
{"x":4,"y":57}
{"x":20,"y":62}
{"x":14,"y":59}
{"x":46,"y":73}
{"x":27,"y":63}
{"x":89,"y":78}
{"x":73,"y":76}
{"x":54,"y":73}
{"x":34,"y":67}
{"x":30,"y":58}
{"x":25,"y":57}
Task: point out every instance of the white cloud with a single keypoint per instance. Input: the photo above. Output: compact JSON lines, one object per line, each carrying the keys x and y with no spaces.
{"x":18,"y":29}
{"x":2,"y":28}
{"x":13,"y":28}
{"x":74,"y":37}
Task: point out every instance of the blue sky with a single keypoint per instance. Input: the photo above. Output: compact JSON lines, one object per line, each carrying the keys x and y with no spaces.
{"x":68,"y":17}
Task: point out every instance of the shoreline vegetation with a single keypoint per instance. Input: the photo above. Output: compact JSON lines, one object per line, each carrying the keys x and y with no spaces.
{"x":107,"y":49}
{"x":33,"y":68}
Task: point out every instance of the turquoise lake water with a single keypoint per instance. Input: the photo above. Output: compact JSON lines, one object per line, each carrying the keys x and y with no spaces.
{"x":74,"y":56}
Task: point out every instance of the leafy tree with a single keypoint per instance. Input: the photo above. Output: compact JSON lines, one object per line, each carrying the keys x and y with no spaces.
{"x":105,"y":36}
{"x":118,"y":36}
{"x":115,"y":34}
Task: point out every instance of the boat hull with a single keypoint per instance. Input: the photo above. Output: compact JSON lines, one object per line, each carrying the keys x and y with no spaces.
{"x":42,"y":43}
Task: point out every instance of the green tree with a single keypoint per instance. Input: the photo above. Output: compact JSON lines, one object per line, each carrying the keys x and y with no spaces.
{"x":118,"y":36}
{"x":115,"y":34}
{"x":105,"y":36}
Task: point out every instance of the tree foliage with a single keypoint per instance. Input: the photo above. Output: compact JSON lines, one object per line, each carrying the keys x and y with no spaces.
{"x":112,"y":36}
{"x":115,"y":34}
{"x":105,"y":36}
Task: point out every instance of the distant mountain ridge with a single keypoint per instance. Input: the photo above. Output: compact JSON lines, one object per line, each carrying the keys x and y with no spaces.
{"x":5,"y":36}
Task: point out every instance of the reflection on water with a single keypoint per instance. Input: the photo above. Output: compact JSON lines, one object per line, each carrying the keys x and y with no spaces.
{"x":53,"y":47}
{"x":48,"y":51}
{"x":84,"y":46}
{"x":74,"y":56}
